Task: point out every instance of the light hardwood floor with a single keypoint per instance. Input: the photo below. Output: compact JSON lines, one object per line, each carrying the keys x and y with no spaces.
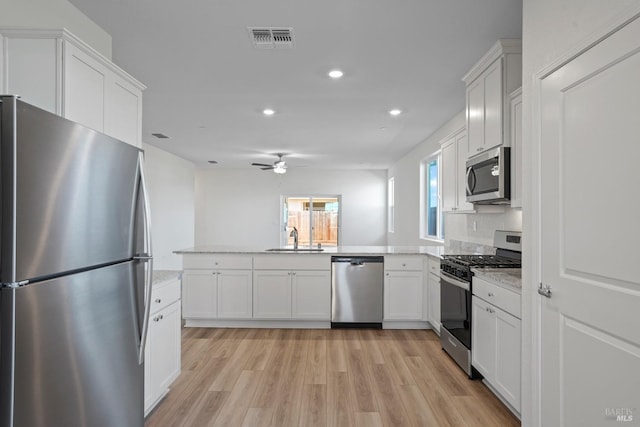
{"x":335,"y":377}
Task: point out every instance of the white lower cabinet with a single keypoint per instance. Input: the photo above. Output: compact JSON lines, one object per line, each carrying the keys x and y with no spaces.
{"x":433,"y":287}
{"x":311,"y":295}
{"x":298,"y":295}
{"x":403,"y":288}
{"x":496,"y":338}
{"x":234,"y":294}
{"x":162,"y":351}
{"x":217,"y":287}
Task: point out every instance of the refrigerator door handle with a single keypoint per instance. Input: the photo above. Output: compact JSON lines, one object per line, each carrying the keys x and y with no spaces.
{"x":147,"y":258}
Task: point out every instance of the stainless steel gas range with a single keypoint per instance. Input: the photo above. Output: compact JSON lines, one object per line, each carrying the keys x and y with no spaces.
{"x":455,"y":293}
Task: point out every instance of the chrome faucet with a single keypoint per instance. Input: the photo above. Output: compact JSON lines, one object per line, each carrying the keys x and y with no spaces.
{"x":294,"y":234}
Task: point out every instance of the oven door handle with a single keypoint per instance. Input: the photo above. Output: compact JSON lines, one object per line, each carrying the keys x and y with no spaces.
{"x":454,"y":281}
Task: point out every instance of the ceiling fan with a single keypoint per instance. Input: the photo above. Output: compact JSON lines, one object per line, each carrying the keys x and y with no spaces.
{"x":279,"y":166}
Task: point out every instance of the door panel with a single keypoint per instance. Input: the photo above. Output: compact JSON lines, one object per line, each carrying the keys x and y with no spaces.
{"x":76,"y":350}
{"x":590,"y":335}
{"x":74,"y":197}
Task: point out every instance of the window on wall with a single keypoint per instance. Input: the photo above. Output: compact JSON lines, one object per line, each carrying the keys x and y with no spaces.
{"x":432,"y":224}
{"x":391,"y":205}
{"x":317,"y":219}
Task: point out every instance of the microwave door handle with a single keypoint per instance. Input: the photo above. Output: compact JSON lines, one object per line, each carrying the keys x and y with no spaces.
{"x":471,"y":181}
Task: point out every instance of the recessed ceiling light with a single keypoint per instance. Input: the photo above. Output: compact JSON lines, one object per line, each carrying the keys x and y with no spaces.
{"x":395,"y":112}
{"x":335,"y":74}
{"x":268,"y":112}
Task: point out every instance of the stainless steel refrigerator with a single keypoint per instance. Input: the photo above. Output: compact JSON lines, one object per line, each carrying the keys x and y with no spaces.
{"x":75,"y":270}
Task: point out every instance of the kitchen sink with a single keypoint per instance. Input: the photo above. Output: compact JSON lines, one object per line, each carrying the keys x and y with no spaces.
{"x":295,"y":250}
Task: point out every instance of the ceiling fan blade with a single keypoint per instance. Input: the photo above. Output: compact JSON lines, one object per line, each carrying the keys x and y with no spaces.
{"x":261,"y":164}
{"x":267,"y":168}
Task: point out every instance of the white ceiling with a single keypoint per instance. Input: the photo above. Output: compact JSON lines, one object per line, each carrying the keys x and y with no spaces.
{"x":207,"y":84}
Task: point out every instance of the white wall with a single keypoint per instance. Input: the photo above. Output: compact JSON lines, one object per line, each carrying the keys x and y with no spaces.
{"x":242,"y":207}
{"x":551,"y":29}
{"x":170,"y":180}
{"x":406,"y":174}
{"x":54,"y":14}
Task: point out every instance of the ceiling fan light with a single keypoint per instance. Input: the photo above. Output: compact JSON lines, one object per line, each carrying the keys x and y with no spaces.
{"x":279,"y":168}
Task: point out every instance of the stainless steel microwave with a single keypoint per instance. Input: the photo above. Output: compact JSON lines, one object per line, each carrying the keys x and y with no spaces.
{"x":489,"y":177}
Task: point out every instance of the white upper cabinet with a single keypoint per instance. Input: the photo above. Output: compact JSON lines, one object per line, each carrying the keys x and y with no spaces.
{"x":454,"y":156}
{"x":56,"y":71}
{"x":489,"y":83}
{"x":516,"y":148}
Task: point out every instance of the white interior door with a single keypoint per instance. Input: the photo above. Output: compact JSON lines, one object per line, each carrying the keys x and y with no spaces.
{"x":590,"y":194}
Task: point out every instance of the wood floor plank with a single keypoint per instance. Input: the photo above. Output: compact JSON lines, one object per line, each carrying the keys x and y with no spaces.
{"x":336,"y":378}
{"x":314,"y":406}
{"x":287,"y":405}
{"x":258,"y":417}
{"x":336,"y":352}
{"x":368,"y":419}
{"x":393,"y":357}
{"x":316,"y":372}
{"x":391,"y":408}
{"x":371,"y":339}
{"x":418,"y":409}
{"x":340,"y":411}
{"x":359,"y":378}
{"x":234,"y":412}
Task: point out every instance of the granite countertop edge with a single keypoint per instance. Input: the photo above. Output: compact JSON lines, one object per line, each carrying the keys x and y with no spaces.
{"x":160,"y":276}
{"x":435,"y":251}
{"x":509,"y":278}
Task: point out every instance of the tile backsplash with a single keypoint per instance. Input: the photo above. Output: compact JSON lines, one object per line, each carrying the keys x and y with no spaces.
{"x":477,"y":229}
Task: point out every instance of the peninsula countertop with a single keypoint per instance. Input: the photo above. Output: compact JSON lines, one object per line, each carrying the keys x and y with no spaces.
{"x":433,"y":250}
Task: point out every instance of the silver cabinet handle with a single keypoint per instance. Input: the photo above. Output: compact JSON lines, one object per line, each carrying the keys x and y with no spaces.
{"x":158,"y":300}
{"x":544,"y":290}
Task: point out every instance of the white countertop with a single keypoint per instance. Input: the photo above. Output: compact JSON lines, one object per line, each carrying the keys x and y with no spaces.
{"x":160,"y":276}
{"x":510,"y":278}
{"x":327,"y":250}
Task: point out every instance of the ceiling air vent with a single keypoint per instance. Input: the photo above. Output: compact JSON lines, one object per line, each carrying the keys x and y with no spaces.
{"x":270,"y":38}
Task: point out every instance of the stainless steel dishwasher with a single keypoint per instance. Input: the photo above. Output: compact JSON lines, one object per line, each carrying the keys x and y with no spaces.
{"x":356,"y":291}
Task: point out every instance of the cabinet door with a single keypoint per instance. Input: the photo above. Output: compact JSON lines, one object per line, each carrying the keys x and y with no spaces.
{"x":235,"y":294}
{"x":311,"y":295}
{"x":199,"y":294}
{"x":123,"y":110}
{"x":162,"y":352}
{"x":462,"y":152}
{"x":271,"y":294}
{"x":84,"y":88}
{"x":493,"y":101}
{"x":516,"y":151}
{"x":483,"y":337}
{"x":475,"y":116}
{"x":434,"y":301}
{"x":449,"y":172}
{"x":32,"y":71}
{"x":403,"y":295}
{"x":507,"y":374}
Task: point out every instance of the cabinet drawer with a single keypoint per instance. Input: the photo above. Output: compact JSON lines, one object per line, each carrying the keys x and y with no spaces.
{"x":433,"y":265}
{"x":218,"y":261}
{"x":292,"y":262}
{"x":164,"y":294}
{"x":500,"y":297}
{"x":406,"y":263}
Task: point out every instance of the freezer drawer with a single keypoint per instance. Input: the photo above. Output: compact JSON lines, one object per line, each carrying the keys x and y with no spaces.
{"x":73,"y":343}
{"x":357,"y":291}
